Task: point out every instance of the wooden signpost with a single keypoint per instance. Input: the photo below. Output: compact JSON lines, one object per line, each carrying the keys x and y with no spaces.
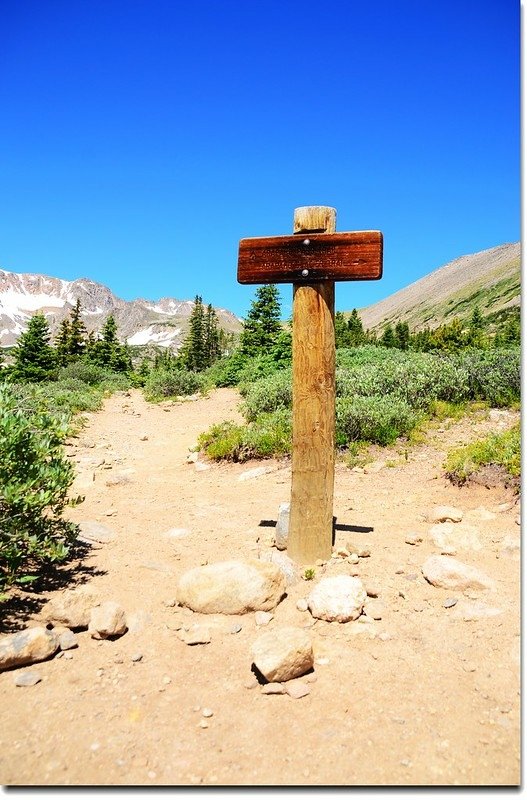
{"x":312,"y":259}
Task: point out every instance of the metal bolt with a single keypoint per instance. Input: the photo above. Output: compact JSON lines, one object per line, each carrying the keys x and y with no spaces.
{"x":305,"y":273}
{"x":306,"y":241}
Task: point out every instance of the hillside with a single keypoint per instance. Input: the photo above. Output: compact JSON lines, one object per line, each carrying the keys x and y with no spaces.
{"x":163,"y":322}
{"x":490,"y":279}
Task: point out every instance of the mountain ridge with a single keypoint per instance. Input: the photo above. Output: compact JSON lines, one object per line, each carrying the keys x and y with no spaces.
{"x":489,"y":278}
{"x":141,"y":321}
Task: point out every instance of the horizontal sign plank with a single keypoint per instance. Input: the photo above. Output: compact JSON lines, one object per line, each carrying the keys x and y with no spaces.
{"x":311,"y":257}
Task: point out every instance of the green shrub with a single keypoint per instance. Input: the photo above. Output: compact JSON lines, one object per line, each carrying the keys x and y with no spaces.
{"x":226,"y":371}
{"x":163,"y":383}
{"x":500,"y":449}
{"x":266,"y":437}
{"x":374,"y":419}
{"x":493,"y":375}
{"x":268,"y":394}
{"x":90,"y":374}
{"x":35,"y":477}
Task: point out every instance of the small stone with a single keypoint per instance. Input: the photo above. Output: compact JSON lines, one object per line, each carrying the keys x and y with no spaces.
{"x":373,"y":610}
{"x":203,"y":723}
{"x":322,"y":661}
{"x":297,"y":690}
{"x":283,"y":653}
{"x":413,"y":538}
{"x":282,"y":526}
{"x":236,"y":628}
{"x":28,"y":678}
{"x":257,"y":472}
{"x":170,"y":603}
{"x":68,"y":655}
{"x":320,"y":562}
{"x":176,"y":533}
{"x":107,"y":621}
{"x":354,"y":558}
{"x":448,"y":573}
{"x":364,"y":552}
{"x":450,"y":602}
{"x":250,"y":683}
{"x":444,"y":514}
{"x":469,"y":667}
{"x":197,"y":634}
{"x":207,"y":712}
{"x":372,"y":590}
{"x":301,"y":604}
{"x":263,"y":617}
{"x":340,"y":598}
{"x":311,"y":678}
{"x":71,"y":607}
{"x":384,"y":637}
{"x":137,"y":657}
{"x":365,"y":619}
{"x":342,"y":552}
{"x":272,"y":688}
{"x":167,"y":680}
{"x":67,"y":640}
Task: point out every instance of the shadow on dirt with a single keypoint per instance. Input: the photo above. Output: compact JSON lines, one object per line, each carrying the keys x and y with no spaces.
{"x":23,"y":604}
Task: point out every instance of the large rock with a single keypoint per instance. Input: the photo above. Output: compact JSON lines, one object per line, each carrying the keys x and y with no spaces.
{"x":107,"y":620}
{"x":340,"y":598}
{"x":449,"y":573}
{"x":282,"y":526}
{"x":27,"y":647}
{"x":449,"y":538}
{"x":72,"y":607}
{"x":232,"y":587}
{"x":289,"y":568}
{"x":283,"y":654}
{"x":444,"y":514}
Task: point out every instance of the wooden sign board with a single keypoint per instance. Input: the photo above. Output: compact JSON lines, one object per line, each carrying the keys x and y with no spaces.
{"x":311,"y":258}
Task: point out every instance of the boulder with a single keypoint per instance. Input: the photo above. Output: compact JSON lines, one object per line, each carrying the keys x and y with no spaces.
{"x":444,"y":514}
{"x":449,"y":573}
{"x":340,"y":598}
{"x":27,"y":647}
{"x":283,"y":654}
{"x":72,"y":607}
{"x":282,"y":526}
{"x":449,"y":538}
{"x":232,"y":587}
{"x":107,"y":620}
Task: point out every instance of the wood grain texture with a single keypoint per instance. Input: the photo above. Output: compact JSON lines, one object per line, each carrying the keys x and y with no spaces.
{"x":314,"y":218}
{"x":313,"y":457}
{"x":354,"y":256}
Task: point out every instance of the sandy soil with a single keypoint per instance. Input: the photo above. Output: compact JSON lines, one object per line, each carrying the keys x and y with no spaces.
{"x":422,"y":696}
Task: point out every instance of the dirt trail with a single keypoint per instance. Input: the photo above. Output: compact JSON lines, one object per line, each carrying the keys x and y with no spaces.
{"x":421,"y":696}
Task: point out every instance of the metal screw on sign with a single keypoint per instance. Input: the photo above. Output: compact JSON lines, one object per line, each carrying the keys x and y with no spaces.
{"x":324,"y":257}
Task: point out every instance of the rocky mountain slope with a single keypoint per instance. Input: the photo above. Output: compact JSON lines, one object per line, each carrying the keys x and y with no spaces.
{"x":490,"y":279}
{"x":163,"y":322}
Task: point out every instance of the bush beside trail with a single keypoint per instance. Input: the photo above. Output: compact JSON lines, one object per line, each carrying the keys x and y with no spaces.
{"x":382,"y":393}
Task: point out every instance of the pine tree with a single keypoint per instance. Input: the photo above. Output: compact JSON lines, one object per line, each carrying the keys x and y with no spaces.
{"x":62,"y":340}
{"x":35,"y":359}
{"x":342,"y":333}
{"x":193,"y":352}
{"x":402,"y":335}
{"x":77,"y":342}
{"x":388,"y":337}
{"x":262,"y":326}
{"x":211,"y":336}
{"x":108,"y":351}
{"x":356,"y":330}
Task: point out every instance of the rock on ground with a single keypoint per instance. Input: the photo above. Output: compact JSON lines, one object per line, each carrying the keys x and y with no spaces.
{"x":232,"y":587}
{"x":286,"y":565}
{"x":282,"y":526}
{"x":340,"y":598}
{"x":27,"y":647}
{"x":444,"y":514}
{"x":107,"y":620}
{"x":92,"y":531}
{"x":72,"y":607}
{"x":449,"y":573}
{"x":283,"y":654}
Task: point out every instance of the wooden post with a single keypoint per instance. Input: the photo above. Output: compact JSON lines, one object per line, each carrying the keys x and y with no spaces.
{"x":313,"y":459}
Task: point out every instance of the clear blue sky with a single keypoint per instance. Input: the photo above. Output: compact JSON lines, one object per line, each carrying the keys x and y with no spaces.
{"x":141,"y":139}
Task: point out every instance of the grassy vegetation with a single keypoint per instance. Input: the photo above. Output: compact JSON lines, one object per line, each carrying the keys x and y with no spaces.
{"x":382,"y":394}
{"x":498,"y":449}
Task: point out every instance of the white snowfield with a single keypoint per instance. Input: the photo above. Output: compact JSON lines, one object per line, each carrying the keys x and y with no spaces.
{"x":147,"y":335}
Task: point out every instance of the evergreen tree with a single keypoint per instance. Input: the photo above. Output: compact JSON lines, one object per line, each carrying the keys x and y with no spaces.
{"x":108,"y":351}
{"x":402,"y":335}
{"x":356,"y":330}
{"x":77,"y":341}
{"x":62,"y":340}
{"x":342,"y":333}
{"x":35,"y":359}
{"x":388,"y":337}
{"x":262,"y":326}
{"x":211,"y":336}
{"x":193,"y":353}
{"x":511,"y":334}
